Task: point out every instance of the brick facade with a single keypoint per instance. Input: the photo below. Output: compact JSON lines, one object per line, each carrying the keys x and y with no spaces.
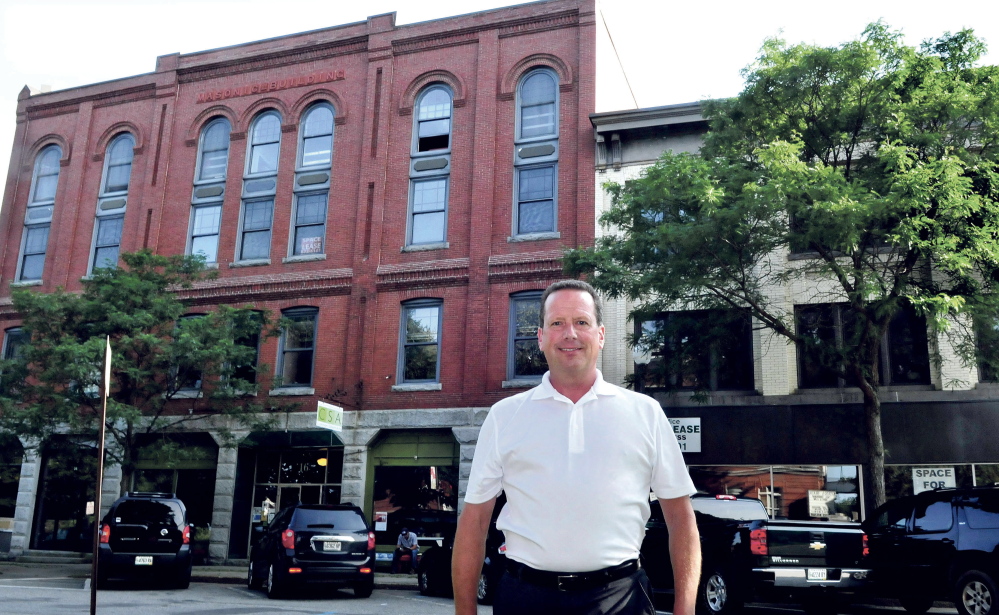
{"x":372,"y":74}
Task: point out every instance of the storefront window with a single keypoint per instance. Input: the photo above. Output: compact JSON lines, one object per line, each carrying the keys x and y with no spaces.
{"x":11,"y":455}
{"x":284,"y":478}
{"x":823,"y":493}
{"x":422,"y":499}
{"x":67,"y":484}
{"x":908,"y":480}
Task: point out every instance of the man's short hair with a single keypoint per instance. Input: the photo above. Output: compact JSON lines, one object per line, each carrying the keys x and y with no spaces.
{"x":572,"y":285}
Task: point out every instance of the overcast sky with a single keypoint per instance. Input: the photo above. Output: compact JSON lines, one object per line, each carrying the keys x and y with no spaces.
{"x":672,"y":51}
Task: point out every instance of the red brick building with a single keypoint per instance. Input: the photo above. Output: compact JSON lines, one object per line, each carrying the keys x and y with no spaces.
{"x":406,"y":189}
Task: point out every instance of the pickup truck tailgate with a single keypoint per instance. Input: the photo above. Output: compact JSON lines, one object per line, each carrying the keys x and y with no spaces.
{"x":810,"y":544}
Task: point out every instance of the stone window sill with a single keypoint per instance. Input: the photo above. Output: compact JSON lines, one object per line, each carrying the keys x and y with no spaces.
{"x":423,"y":386}
{"x":291,"y":391}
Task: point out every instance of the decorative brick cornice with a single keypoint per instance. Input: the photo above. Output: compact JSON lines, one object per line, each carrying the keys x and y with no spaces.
{"x":530,"y":25}
{"x":435,"y":41}
{"x":326,"y":283}
{"x":285,"y":57}
{"x":525,"y":266}
{"x":428,"y":274}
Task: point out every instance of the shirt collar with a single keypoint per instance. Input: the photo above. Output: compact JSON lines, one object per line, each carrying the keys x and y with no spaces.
{"x":546,"y":390}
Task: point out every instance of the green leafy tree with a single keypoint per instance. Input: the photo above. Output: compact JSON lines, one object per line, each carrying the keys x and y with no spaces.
{"x":166,"y":370}
{"x":873,"y":163}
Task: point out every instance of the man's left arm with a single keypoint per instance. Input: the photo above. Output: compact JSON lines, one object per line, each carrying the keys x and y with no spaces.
{"x":684,"y":552}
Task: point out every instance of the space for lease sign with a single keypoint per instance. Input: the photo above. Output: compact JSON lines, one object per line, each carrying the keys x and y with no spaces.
{"x":924,"y":479}
{"x":688,"y":434}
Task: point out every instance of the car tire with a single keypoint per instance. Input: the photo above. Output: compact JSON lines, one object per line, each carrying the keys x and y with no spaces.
{"x":916,"y":604}
{"x":484,"y":592}
{"x":252,"y":582}
{"x":716,"y":595}
{"x":426,"y":587}
{"x":364,"y":588}
{"x":976,"y":594}
{"x":275,"y":587}
{"x":183,"y":580}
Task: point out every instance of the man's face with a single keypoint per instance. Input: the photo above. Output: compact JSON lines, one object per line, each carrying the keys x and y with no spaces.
{"x":571,"y":339}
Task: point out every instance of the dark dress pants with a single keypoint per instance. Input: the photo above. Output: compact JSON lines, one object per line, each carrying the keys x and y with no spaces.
{"x":630,"y":595}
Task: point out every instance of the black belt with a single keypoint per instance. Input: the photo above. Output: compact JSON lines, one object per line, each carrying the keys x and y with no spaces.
{"x":570,"y":581}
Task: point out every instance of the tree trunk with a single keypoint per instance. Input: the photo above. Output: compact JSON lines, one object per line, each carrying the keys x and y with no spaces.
{"x":875,"y":442}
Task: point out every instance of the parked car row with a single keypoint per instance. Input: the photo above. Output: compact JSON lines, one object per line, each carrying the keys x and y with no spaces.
{"x":937,"y":545}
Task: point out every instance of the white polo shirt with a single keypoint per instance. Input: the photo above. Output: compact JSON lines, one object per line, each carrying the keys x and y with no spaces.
{"x":576,"y":476}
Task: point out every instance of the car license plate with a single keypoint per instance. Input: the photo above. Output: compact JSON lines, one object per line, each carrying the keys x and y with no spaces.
{"x":816,"y":574}
{"x":331,"y":546}
{"x":143,"y":560}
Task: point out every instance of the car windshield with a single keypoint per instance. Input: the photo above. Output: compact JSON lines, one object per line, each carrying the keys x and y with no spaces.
{"x":329,"y":519}
{"x":149,"y":512}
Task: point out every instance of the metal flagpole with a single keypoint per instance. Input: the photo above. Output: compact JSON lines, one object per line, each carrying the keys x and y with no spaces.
{"x":100,"y":475}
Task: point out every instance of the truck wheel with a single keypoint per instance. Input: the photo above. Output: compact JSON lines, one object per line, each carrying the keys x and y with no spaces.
{"x":484,"y":592}
{"x":976,"y":594}
{"x":717,"y":595}
{"x":916,"y":604}
{"x":427,"y":587}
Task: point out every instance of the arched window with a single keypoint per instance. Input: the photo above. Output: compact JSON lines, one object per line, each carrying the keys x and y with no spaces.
{"x":38,"y":217}
{"x":259,"y":188}
{"x":312,"y":183}
{"x":430,"y":168}
{"x":535,"y":212}
{"x":209,"y":189}
{"x":112,"y":202}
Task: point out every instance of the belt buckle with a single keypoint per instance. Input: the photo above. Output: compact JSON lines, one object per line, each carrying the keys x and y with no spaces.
{"x":568,"y":578}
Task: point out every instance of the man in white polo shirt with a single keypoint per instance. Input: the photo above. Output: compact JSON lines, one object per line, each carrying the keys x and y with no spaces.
{"x":576,"y":457}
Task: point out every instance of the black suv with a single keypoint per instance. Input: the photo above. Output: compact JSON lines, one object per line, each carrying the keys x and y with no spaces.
{"x":317,"y":544}
{"x":938,"y":545}
{"x":146,"y":534}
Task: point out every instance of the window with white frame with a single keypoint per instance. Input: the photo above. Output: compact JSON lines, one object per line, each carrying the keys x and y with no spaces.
{"x":312,"y":181}
{"x":430,"y":167}
{"x":38,"y":217}
{"x":525,"y":361}
{"x":536,"y":155}
{"x":298,"y":342}
{"x":259,"y":188}
{"x":112,"y":202}
{"x":419,"y":352}
{"x":209,"y":189}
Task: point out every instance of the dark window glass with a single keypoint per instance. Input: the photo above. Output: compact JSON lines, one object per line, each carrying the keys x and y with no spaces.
{"x":297,"y":345}
{"x":697,"y":350}
{"x":831,"y":329}
{"x":188,"y":375}
{"x":932,"y":517}
{"x":142,"y":512}
{"x":421,"y":323}
{"x":527,"y":360}
{"x":108,"y":242}
{"x":346,"y":520}
{"x":982,"y":511}
{"x":433,"y":119}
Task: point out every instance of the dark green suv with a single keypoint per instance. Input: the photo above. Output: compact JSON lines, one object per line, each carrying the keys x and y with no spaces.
{"x":146,"y":535}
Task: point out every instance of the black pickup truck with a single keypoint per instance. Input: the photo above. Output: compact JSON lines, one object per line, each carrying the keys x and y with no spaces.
{"x":747,"y":555}
{"x":938,"y":545}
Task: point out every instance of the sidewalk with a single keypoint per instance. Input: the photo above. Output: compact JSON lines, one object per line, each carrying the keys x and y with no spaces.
{"x":201,"y":574}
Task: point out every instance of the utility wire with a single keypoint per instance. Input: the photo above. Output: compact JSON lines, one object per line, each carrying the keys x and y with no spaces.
{"x":618,"y":56}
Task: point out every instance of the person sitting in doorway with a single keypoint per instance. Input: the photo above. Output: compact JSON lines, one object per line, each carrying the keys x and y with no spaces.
{"x":405,"y":545}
